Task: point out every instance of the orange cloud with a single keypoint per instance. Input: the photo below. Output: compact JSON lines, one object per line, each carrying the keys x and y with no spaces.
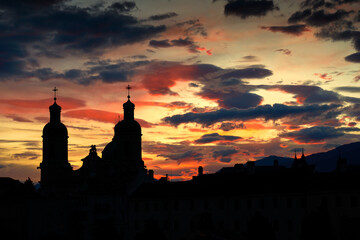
{"x":65,"y":103}
{"x":101,"y":116}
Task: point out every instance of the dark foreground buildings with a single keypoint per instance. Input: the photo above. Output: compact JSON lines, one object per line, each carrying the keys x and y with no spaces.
{"x":116,"y":197}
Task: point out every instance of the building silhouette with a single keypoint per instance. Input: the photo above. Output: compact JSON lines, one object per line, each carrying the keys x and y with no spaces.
{"x":116,"y":197}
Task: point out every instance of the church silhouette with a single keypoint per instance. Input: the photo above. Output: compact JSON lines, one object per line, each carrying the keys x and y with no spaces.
{"x":121,"y":167}
{"x":116,"y":197}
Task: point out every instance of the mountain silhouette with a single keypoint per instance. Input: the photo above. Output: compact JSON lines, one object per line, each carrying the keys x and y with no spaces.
{"x":324,"y":161}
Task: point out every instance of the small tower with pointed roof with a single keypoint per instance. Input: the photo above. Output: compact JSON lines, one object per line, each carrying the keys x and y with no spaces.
{"x":55,"y":166}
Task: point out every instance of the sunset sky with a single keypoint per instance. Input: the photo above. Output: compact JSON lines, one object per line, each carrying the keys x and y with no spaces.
{"x":214,"y":82}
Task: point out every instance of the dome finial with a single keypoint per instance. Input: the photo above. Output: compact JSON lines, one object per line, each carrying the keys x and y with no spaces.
{"x":128,"y":88}
{"x":55,"y":90}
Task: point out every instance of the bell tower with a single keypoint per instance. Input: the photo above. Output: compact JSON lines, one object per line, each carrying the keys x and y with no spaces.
{"x":55,"y":168}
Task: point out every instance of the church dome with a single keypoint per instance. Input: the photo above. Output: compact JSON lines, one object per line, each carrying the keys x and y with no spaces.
{"x":125,"y":126}
{"x":55,"y":129}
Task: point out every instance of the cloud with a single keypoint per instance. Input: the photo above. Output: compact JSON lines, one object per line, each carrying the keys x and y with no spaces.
{"x":321,"y":18}
{"x":54,"y":29}
{"x":296,"y":30}
{"x":160,"y":76}
{"x":184,"y":157}
{"x":159,"y":17}
{"x":299,"y":16}
{"x":349,"y":89}
{"x":248,"y":8}
{"x":18,"y":118}
{"x":284,"y":51}
{"x":181,"y":42}
{"x":355,"y":58}
{"x":317,"y":134}
{"x":160,"y":43}
{"x":215,"y":137}
{"x":101,"y":116}
{"x":227,"y":126}
{"x":224,"y":155}
{"x":309,"y":94}
{"x":267,"y":112}
{"x":231,"y":98}
{"x":25,"y":155}
{"x":249,"y":58}
{"x":123,"y":6}
{"x":64,"y":102}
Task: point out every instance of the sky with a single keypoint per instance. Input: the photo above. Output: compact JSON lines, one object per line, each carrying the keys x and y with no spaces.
{"x":214,"y":82}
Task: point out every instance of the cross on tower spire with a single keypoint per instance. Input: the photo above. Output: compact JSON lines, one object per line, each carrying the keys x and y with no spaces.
{"x":128,"y":88}
{"x":55,"y":90}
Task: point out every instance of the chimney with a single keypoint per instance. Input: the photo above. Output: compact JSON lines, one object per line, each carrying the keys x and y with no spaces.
{"x":200,"y":171}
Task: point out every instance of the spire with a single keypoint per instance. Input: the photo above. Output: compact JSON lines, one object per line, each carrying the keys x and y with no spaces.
{"x":303,"y":155}
{"x":295,"y":155}
{"x":128,"y":88}
{"x":128,"y":107}
{"x":55,"y":90}
{"x":55,"y":109}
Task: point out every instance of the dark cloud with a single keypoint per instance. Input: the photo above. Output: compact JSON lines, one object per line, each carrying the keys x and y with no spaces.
{"x":123,"y":6}
{"x":321,"y":18}
{"x":284,"y":51}
{"x":250,"y":72}
{"x":296,"y":30}
{"x":349,"y":89}
{"x":227,"y":126}
{"x":215,"y":137}
{"x":309,"y":94}
{"x":248,"y":8}
{"x":317,"y":134}
{"x":53,"y":29}
{"x":232,"y":98}
{"x":355,"y":58}
{"x":162,"y":16}
{"x":160,"y":43}
{"x":249,"y":58}
{"x":224,"y":153}
{"x":183,"y":157}
{"x":181,"y":42}
{"x":314,"y":4}
{"x":266,"y":112}
{"x":25,"y":155}
{"x":299,"y":16}
{"x":193,"y":85}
